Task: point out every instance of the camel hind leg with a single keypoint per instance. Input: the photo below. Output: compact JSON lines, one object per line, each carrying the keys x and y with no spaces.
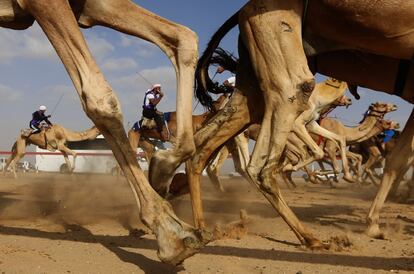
{"x":18,"y":152}
{"x":286,"y":87}
{"x":214,"y":167}
{"x":180,"y":45}
{"x":176,"y":239}
{"x":66,"y":151}
{"x":397,"y":163}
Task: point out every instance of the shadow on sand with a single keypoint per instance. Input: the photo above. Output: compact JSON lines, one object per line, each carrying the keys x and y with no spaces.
{"x":116,"y":244}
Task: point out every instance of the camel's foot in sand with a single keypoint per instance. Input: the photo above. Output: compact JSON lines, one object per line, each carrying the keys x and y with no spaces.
{"x":315,"y":244}
{"x":374,"y":231}
{"x":177,"y":240}
{"x":350,"y":179}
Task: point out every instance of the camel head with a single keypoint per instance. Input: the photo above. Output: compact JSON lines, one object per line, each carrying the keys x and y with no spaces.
{"x":389,"y":124}
{"x":343,"y":101}
{"x":382,"y":108}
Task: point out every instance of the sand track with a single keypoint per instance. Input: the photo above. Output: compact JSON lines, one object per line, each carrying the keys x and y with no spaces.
{"x":88,"y":224}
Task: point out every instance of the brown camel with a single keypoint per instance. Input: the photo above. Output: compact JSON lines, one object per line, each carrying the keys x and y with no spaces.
{"x":60,"y":21}
{"x":373,"y":154}
{"x":52,"y":139}
{"x":337,"y":43}
{"x":138,"y":137}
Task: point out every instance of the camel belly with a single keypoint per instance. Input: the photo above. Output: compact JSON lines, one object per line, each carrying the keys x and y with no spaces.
{"x":12,"y":16}
{"x":380,"y":27}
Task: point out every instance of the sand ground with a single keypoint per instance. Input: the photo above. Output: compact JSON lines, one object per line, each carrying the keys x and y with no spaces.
{"x":53,"y":223}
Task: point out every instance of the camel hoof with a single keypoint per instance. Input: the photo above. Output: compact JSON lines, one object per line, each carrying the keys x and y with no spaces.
{"x":318,"y":245}
{"x":373,"y":231}
{"x":350,"y":179}
{"x":190,"y":246}
{"x":287,"y":167}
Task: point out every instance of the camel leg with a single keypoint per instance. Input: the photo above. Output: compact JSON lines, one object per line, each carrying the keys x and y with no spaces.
{"x":180,"y":45}
{"x":214,"y":167}
{"x":311,"y":174}
{"x":66,"y":151}
{"x":134,"y":138}
{"x":397,"y":163}
{"x":176,"y":239}
{"x":229,"y":121}
{"x":239,"y":148}
{"x":314,"y":127}
{"x":148,"y":148}
{"x":302,"y":133}
{"x":264,"y":179}
{"x":286,"y":88}
{"x":372,"y":160}
{"x":357,"y":164}
{"x":18,"y":152}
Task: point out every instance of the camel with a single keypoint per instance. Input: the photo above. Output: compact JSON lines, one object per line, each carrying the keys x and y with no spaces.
{"x":52,"y":139}
{"x":351,"y":139}
{"x":336,"y":98}
{"x":139,"y":137}
{"x":373,"y":154}
{"x":322,"y":97}
{"x":365,"y":130}
{"x":60,"y":20}
{"x":277,"y":39}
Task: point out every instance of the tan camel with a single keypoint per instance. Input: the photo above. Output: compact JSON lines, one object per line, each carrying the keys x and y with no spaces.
{"x":327,"y":96}
{"x":52,"y":139}
{"x":337,"y":43}
{"x":322,"y":97}
{"x":356,"y":158}
{"x":60,"y":21}
{"x":351,"y":135}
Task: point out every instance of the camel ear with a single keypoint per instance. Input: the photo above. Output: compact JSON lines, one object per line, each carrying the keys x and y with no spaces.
{"x":354,"y":91}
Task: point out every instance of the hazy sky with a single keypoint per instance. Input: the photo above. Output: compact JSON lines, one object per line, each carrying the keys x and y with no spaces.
{"x":31,"y":73}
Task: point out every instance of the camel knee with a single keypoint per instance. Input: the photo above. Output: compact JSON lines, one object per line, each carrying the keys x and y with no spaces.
{"x":253,"y":172}
{"x":319,"y":154}
{"x":187,"y":46}
{"x":103,"y":111}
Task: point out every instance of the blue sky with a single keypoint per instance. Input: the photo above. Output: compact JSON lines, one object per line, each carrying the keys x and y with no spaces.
{"x":31,"y":73}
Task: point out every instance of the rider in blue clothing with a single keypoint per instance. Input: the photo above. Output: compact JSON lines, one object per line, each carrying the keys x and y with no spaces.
{"x":149,"y":109}
{"x":38,"y":117}
{"x":388,"y":134}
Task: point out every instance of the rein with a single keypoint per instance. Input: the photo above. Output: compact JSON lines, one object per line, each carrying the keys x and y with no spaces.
{"x":304,"y":14}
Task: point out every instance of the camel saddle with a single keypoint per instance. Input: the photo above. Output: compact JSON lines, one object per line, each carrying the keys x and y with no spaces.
{"x":148,"y":123}
{"x":50,"y":145}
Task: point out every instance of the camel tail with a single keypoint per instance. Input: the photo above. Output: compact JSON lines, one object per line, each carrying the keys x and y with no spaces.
{"x":203,"y":83}
{"x":224,"y":59}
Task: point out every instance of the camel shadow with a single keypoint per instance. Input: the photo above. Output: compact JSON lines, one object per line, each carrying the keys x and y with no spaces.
{"x":116,"y":244}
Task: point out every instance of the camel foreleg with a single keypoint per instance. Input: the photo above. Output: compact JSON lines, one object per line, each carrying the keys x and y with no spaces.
{"x":397,"y":163}
{"x":180,"y":45}
{"x":214,"y":166}
{"x":176,"y":239}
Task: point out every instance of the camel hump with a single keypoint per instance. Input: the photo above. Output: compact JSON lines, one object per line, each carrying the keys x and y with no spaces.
{"x":24,"y":133}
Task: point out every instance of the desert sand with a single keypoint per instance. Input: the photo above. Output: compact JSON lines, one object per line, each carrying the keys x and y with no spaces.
{"x":52,"y":223}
